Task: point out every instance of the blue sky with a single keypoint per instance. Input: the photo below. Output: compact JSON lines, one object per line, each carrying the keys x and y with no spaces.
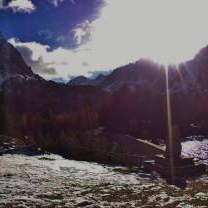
{"x":49,"y":23}
{"x":61,"y":39}
{"x":34,"y":26}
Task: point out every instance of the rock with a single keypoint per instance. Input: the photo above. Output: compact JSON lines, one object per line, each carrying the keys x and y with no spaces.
{"x":201,"y":195}
{"x":82,"y":202}
{"x":11,"y":61}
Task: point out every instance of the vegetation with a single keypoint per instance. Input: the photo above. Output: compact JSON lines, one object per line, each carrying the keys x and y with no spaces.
{"x":60,"y":118}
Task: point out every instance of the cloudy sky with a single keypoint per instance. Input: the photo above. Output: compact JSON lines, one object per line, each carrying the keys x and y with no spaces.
{"x":61,"y":39}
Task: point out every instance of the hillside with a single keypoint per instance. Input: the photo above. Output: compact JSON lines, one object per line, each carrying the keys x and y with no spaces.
{"x":131,"y":99}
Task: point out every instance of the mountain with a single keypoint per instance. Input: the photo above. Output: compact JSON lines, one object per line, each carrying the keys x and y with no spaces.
{"x":12,"y":63}
{"x":142,"y":73}
{"x":84,"y":81}
{"x":81,"y":81}
{"x":132,"y":99}
{"x":138,"y":96}
{"x":16,"y":77}
{"x":133,"y":74}
{"x":31,"y":105}
{"x":187,"y":77}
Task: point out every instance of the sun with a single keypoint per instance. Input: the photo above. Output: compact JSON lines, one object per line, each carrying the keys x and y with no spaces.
{"x":165,"y":31}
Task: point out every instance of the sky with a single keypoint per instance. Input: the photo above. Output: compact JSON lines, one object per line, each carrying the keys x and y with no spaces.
{"x":61,"y":39}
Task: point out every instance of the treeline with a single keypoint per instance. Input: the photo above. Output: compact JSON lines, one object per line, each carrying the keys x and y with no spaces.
{"x":48,"y":112}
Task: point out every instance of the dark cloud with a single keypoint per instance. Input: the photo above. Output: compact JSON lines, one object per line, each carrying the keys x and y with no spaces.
{"x":38,"y":66}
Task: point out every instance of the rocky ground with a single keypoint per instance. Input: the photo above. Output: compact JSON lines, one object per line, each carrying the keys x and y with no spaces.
{"x":16,"y":145}
{"x":52,"y":181}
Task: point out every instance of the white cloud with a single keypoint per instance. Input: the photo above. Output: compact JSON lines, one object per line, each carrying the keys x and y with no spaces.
{"x":56,"y":3}
{"x":167,"y":31}
{"x":23,"y":6}
{"x":82,"y":32}
{"x":65,"y":62}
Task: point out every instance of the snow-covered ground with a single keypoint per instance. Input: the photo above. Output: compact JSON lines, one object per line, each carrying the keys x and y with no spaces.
{"x":52,"y":181}
{"x":196,"y":149}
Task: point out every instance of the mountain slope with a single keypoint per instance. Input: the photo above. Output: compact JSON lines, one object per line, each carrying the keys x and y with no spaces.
{"x":31,"y":105}
{"x":187,"y":77}
{"x":11,"y":62}
{"x":132,"y":99}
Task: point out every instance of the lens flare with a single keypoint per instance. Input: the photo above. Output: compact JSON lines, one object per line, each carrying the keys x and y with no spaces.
{"x":169,"y":127}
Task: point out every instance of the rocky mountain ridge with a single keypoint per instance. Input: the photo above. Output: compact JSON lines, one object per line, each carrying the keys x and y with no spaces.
{"x":12,"y":63}
{"x":186,"y":77}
